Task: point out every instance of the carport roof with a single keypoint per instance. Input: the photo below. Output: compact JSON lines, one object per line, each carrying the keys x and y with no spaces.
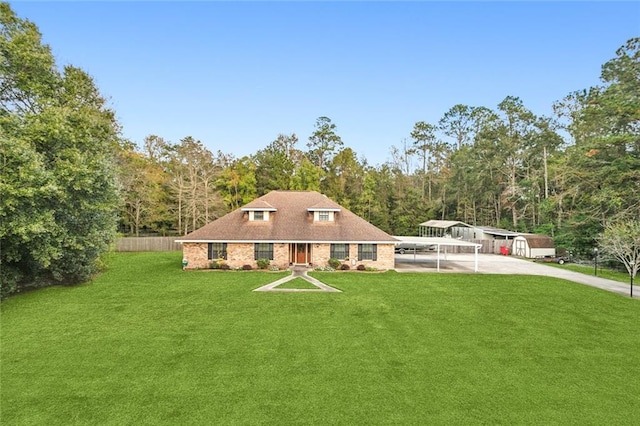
{"x":439,"y":242}
{"x":434,"y":241}
{"x":444,"y":224}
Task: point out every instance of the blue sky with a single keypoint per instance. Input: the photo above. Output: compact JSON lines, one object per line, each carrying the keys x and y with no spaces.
{"x":236,"y":74}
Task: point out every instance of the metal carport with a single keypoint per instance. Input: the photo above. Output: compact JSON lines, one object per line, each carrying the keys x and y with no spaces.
{"x":417,"y":242}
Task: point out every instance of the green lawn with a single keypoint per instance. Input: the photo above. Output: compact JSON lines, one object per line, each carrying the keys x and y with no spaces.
{"x":147,"y":343}
{"x":298,"y":283}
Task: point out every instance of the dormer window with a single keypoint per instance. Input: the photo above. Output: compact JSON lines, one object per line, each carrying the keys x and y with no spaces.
{"x":258,"y":211}
{"x":258,"y":215}
{"x":323,"y":213}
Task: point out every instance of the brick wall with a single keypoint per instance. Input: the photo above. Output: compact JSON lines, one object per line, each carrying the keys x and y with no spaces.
{"x":238,"y":255}
{"x":196,"y":255}
{"x":320,"y":254}
{"x":242,"y":254}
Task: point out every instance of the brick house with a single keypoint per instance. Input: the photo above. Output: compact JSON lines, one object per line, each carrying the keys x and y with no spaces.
{"x":289,"y":228}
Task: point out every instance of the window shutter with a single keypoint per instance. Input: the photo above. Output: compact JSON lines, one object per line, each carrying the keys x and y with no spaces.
{"x":375,"y":252}
{"x":255,"y":251}
{"x":359,"y":251}
{"x":346,"y":251}
{"x":210,"y":251}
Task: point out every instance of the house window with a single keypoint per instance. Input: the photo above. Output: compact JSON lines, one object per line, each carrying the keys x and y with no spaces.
{"x":339,"y":251}
{"x":258,"y":215}
{"x":263,"y":251}
{"x":323,"y":216}
{"x":367,"y":252}
{"x":217,"y":251}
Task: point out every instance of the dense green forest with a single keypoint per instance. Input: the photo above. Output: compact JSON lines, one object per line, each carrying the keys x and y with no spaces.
{"x":566,"y":176}
{"x":70,"y":182}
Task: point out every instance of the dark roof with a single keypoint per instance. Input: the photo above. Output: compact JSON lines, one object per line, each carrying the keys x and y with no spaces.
{"x":291,"y":222}
{"x":258,"y":204}
{"x":538,"y":241}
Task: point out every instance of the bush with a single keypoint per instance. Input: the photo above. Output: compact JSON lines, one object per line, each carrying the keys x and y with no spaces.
{"x":324,"y":269}
{"x":345,"y":267}
{"x":224,"y":267}
{"x":214,"y":264}
{"x":247,"y":267}
{"x":361,"y":268}
{"x":9,"y":279}
{"x":273,"y":268}
{"x":263,"y":263}
{"x":334,"y":263}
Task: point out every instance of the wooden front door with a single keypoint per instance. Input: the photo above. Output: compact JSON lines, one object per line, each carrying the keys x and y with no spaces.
{"x":301,"y":253}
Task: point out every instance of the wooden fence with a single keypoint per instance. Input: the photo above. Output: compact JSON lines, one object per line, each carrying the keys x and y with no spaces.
{"x":148,"y":244}
{"x":169,"y":244}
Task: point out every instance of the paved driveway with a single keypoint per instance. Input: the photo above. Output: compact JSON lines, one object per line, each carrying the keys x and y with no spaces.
{"x":495,"y":264}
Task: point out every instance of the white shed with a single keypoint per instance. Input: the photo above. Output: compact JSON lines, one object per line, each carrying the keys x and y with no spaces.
{"x":531,"y":246}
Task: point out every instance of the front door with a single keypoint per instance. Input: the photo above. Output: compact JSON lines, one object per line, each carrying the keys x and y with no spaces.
{"x":301,"y":253}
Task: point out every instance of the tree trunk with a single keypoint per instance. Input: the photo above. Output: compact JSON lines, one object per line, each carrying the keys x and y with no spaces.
{"x":546,"y":173}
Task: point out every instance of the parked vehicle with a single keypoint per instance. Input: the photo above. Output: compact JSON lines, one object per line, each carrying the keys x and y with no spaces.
{"x":409,"y":248}
{"x":561,"y":260}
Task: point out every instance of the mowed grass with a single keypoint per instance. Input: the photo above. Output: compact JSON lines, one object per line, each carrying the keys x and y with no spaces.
{"x":147,"y":343}
{"x":298,"y":283}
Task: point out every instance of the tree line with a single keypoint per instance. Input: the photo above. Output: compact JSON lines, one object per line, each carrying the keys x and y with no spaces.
{"x":69,"y":181}
{"x":567,"y":175}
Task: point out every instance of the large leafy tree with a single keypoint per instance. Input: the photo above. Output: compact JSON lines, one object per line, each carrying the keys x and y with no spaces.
{"x":142,"y":182}
{"x":194,"y":182}
{"x":603,"y":163}
{"x":323,"y":142}
{"x":237,"y":183}
{"x":275,"y":164}
{"x":424,"y":144}
{"x":58,"y":212}
{"x":343,"y":182}
{"x":621,"y":240}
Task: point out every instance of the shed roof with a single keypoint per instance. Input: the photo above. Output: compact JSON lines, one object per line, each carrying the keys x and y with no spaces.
{"x":538,"y":241}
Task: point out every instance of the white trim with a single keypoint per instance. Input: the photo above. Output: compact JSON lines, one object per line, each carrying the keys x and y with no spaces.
{"x":432,"y":241}
{"x":323,"y":209}
{"x":252,"y":216}
{"x":258,"y":209}
{"x":330,"y":216}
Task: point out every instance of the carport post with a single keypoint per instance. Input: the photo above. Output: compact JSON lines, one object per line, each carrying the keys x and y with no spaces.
{"x":438,"y":259}
{"x":475,"y":268}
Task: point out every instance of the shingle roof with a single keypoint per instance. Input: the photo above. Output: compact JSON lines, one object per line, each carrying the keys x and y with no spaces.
{"x":538,"y":241}
{"x":326,"y":204}
{"x":258,"y":204}
{"x":291,"y":222}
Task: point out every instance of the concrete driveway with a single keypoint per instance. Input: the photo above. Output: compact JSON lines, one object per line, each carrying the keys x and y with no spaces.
{"x":495,"y":264}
